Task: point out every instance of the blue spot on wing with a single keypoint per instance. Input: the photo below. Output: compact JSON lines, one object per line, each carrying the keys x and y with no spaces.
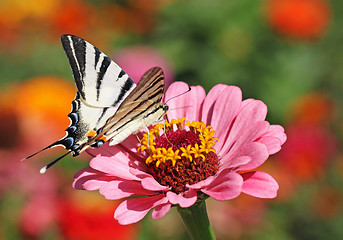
{"x":71,"y":129}
{"x":74,"y":117}
{"x":68,"y":142}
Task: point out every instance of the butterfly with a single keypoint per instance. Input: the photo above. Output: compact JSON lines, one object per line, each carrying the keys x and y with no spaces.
{"x":108,"y":105}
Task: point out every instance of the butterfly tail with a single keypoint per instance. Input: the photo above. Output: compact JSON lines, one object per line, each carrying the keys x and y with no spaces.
{"x":44,"y":169}
{"x":48,"y":147}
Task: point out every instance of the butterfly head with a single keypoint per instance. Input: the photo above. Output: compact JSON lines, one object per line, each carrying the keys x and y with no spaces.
{"x":164,"y":109}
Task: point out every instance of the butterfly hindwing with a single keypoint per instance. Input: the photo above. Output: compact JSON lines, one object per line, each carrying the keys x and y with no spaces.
{"x":141,"y":108}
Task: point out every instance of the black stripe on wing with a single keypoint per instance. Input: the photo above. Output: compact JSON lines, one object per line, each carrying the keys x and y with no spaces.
{"x":97,"y":56}
{"x":75,"y":49}
{"x":127,"y":86}
{"x":145,"y":98}
{"x":103,"y":69}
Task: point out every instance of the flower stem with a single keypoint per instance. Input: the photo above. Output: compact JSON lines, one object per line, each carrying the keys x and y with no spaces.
{"x":196,"y":221}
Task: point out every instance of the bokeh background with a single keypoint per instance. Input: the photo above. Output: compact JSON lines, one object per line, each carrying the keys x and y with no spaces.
{"x":287,"y":53}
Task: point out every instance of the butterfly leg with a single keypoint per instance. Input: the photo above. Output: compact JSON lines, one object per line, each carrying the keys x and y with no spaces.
{"x":139,"y":140}
{"x":147,"y":132}
{"x":164,"y":132}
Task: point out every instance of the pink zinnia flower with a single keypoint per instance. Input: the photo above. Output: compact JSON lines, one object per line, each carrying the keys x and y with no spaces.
{"x":212,"y":153}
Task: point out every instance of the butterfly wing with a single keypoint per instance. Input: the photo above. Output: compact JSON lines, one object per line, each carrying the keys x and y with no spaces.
{"x":141,"y":108}
{"x":101,"y":84}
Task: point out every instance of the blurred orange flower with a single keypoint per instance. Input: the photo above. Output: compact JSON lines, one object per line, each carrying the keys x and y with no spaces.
{"x":22,"y":11}
{"x":315,"y":108}
{"x":42,"y":104}
{"x":134,"y":16}
{"x":16,"y":15}
{"x":302,"y":19}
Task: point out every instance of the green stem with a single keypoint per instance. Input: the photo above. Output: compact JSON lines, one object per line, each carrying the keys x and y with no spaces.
{"x":196,"y":221}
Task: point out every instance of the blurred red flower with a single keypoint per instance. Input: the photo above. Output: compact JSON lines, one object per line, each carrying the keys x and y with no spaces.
{"x":90,"y":217}
{"x":307,"y":151}
{"x":73,"y":16}
{"x":302,"y":19}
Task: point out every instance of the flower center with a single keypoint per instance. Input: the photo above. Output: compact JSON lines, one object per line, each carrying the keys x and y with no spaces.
{"x":180,"y":153}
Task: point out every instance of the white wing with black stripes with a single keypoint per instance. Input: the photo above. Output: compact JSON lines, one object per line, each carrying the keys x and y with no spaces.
{"x":108,"y":105}
{"x":102,"y":85}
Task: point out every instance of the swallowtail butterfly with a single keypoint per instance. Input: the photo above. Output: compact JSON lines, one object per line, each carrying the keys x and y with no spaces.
{"x":108,"y":105}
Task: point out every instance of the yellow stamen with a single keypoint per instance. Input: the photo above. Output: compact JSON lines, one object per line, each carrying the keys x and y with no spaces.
{"x":157,"y":156}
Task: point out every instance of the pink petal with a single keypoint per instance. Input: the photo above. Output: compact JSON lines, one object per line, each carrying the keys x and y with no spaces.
{"x":244,"y":145}
{"x":214,"y":96}
{"x":120,"y":189}
{"x":278,"y":132}
{"x":111,"y":191}
{"x":160,"y":211}
{"x":151,"y":184}
{"x":187,"y":105}
{"x":133,"y":210}
{"x":274,"y":138}
{"x":123,"y":150}
{"x":220,"y":108}
{"x":201,"y":184}
{"x":104,"y":150}
{"x":257,"y":152}
{"x":229,"y":162}
{"x":90,"y":179}
{"x":113,"y":166}
{"x":273,"y":144}
{"x":259,"y":184}
{"x":227,"y":185}
{"x":185,"y":199}
{"x":254,"y":111}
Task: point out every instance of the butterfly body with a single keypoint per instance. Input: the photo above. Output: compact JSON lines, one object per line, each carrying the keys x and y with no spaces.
{"x":108,"y":105}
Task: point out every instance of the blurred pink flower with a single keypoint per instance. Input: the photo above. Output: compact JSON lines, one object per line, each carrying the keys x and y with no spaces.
{"x":136,"y":60}
{"x":38,"y":214}
{"x":185,"y":163}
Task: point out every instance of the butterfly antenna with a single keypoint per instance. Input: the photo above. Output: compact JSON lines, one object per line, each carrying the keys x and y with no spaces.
{"x":44,"y":169}
{"x":50,"y":146}
{"x":189,"y":89}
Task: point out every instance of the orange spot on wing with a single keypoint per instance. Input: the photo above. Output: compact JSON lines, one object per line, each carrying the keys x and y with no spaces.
{"x":103,"y":138}
{"x":91,"y":134}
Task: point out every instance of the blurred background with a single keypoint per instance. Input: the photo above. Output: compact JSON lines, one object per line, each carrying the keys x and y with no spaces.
{"x":287,"y":53}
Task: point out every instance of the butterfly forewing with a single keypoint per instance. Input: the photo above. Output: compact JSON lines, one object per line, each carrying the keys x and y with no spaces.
{"x":102,"y":86}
